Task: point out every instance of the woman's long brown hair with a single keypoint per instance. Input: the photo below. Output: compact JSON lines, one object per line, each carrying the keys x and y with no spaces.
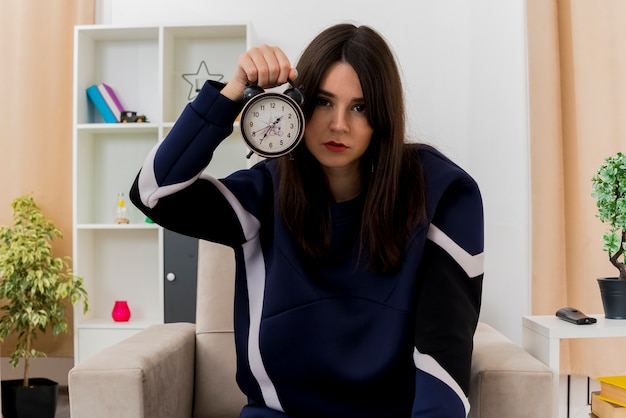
{"x":391,"y":173}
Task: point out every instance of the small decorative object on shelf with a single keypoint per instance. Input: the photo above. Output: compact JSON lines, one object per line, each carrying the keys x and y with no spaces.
{"x":101,"y":105}
{"x":120,"y":212}
{"x":121,"y":311}
{"x":196,"y":80}
{"x":109,"y":96}
{"x":128,"y":116}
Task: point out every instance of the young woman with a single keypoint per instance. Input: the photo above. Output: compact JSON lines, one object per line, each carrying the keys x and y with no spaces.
{"x":359,"y":256}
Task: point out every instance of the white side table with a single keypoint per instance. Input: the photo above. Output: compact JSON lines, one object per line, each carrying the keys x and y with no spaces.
{"x":542,"y":335}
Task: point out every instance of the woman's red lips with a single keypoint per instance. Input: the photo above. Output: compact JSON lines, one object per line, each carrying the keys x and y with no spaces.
{"x":335,"y":146}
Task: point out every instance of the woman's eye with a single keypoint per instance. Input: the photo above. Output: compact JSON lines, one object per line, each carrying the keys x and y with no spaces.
{"x":359,"y":108}
{"x":321,"y":101}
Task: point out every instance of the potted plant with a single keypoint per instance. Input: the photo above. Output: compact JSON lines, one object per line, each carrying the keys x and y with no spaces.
{"x":35,"y":287}
{"x":609,"y":190}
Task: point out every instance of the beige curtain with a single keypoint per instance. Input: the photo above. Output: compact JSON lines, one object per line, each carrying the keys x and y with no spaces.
{"x":36,"y":47}
{"x":577,"y":79}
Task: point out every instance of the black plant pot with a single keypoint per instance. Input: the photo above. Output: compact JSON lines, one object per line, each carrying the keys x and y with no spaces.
{"x":39,"y":400}
{"x":613,"y":292}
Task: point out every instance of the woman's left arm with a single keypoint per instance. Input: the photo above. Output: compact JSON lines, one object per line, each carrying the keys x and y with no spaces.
{"x":448,"y":305}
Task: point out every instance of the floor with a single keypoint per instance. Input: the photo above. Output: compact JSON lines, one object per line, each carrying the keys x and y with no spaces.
{"x":63,"y":403}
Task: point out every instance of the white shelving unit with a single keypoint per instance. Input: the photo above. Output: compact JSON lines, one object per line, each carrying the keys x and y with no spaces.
{"x":145,"y":67}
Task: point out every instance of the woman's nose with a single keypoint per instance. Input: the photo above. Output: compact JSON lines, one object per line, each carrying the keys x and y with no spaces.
{"x":339,"y":121}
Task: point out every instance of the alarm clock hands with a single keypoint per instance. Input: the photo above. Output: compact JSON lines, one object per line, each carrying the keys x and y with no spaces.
{"x":273,"y":124}
{"x":274,"y":128}
{"x":270,"y":129}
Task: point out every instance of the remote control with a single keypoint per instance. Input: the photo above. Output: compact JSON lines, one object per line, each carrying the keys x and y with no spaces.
{"x":574,"y":316}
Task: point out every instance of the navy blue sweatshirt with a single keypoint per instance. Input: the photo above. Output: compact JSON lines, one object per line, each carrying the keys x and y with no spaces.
{"x":328,"y":339}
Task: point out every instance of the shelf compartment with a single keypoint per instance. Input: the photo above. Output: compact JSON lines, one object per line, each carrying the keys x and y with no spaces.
{"x":120,"y":264}
{"x":185,"y":48}
{"x":107,"y":162}
{"x":125,"y":58}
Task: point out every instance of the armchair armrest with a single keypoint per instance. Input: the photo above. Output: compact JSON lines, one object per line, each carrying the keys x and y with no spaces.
{"x":507,"y":381}
{"x":150,"y":374}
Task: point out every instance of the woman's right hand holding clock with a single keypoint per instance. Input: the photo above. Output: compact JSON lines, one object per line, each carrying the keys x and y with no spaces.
{"x":266,"y":65}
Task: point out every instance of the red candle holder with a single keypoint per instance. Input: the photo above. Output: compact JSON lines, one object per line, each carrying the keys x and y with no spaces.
{"x":121,"y":311}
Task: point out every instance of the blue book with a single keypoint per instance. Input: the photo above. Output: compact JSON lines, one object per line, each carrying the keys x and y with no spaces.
{"x":94,"y":94}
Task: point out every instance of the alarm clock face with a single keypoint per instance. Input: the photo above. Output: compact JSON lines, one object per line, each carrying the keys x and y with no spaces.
{"x":272,"y":124}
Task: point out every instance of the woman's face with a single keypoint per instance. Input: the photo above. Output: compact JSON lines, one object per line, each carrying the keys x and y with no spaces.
{"x":338,"y":132}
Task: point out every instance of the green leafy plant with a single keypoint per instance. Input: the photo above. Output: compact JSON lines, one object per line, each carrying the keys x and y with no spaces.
{"x":609,"y":190}
{"x":34,"y":284}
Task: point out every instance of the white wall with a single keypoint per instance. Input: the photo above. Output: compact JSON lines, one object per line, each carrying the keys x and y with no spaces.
{"x":464,"y":64}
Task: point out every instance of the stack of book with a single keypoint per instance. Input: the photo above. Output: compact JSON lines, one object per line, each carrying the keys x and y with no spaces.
{"x":105,"y":100}
{"x":610,"y":402}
